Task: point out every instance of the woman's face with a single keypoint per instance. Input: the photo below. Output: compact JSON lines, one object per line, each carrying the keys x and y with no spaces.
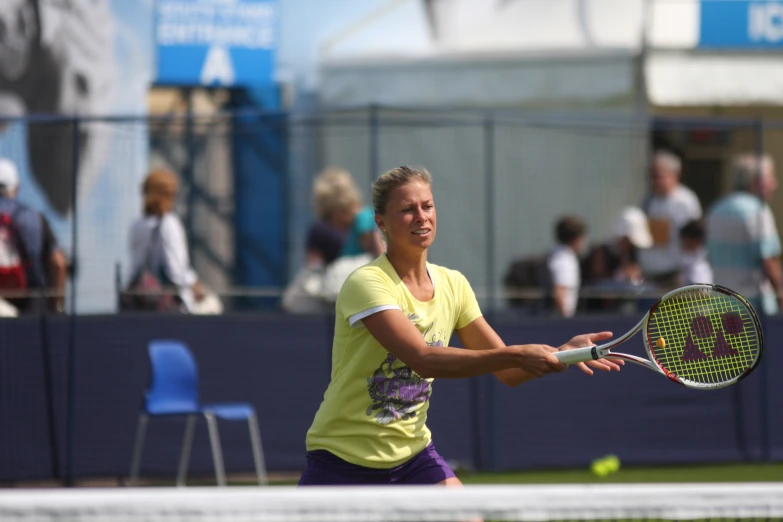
{"x":167,"y":197}
{"x":162,"y":198}
{"x":409,"y":220}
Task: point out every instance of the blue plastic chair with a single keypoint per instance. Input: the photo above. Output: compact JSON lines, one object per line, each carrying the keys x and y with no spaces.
{"x":174,"y":391}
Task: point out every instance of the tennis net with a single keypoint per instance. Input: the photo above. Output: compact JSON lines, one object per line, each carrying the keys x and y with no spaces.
{"x":698,"y":502}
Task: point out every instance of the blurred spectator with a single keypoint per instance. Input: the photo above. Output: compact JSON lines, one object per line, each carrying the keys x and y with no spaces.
{"x":363,"y":244}
{"x":527,"y":281}
{"x":670,"y":206}
{"x":618,"y":259}
{"x":695,"y":265}
{"x":336,"y":201}
{"x":159,"y":254}
{"x":563,"y":263}
{"x":30,"y":259}
{"x":364,"y":237}
{"x":613,"y":267}
{"x":742,"y":239}
{"x":344,"y":238}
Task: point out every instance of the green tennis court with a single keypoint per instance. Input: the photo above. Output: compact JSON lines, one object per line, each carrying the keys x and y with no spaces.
{"x":761,"y":472}
{"x":755,"y":472}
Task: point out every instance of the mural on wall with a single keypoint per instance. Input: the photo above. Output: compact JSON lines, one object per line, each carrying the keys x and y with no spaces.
{"x":90,"y":58}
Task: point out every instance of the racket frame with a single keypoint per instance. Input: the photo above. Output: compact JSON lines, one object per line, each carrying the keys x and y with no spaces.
{"x":604,"y":351}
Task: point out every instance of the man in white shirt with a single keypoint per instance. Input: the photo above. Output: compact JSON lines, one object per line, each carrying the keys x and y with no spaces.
{"x":669,"y":208}
{"x":563,"y":264}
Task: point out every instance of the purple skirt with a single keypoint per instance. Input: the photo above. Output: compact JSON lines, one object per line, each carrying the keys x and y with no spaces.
{"x":326,"y":469}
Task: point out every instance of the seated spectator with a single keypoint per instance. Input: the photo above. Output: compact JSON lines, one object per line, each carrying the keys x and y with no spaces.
{"x":362,"y":245}
{"x":364,"y":237}
{"x":527,"y":284}
{"x":563,"y":264}
{"x":336,"y":202}
{"x":695,"y":266}
{"x":30,"y":260}
{"x":159,"y":251}
{"x":618,"y":259}
{"x":670,"y":206}
{"x":343,"y":238}
{"x":613,"y":266}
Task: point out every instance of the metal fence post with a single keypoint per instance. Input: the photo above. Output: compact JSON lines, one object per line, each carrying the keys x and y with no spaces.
{"x":70,"y":410}
{"x":374,"y":142}
{"x":488,"y":460}
{"x":489,"y":204}
{"x":188,"y":173}
{"x":51,"y":417}
{"x":764,"y":380}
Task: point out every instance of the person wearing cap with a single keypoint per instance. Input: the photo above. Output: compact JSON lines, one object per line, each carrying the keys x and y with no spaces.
{"x":618,"y":259}
{"x":742,"y":239}
{"x":43,"y":261}
{"x":616,"y":262}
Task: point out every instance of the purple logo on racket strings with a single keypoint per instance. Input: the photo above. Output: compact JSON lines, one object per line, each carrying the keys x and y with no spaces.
{"x":702,"y":328}
{"x":395,"y":389}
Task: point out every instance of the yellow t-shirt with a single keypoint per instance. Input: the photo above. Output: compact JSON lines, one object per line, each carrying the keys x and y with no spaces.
{"x":374,"y":411}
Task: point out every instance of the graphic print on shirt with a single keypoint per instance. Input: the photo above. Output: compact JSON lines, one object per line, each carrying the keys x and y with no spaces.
{"x":397,"y":391}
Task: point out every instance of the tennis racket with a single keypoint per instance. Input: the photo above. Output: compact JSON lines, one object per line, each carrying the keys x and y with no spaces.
{"x":701,"y":336}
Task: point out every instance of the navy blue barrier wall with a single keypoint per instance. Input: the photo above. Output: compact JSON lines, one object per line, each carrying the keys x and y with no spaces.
{"x":571,"y":418}
{"x":281,"y":365}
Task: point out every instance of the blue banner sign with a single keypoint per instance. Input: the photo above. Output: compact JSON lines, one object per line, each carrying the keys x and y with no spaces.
{"x":741,"y":24}
{"x":216,"y":42}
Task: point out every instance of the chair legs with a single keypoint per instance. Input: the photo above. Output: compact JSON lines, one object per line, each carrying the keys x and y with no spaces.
{"x":258,"y":452}
{"x":138,"y":447}
{"x":217,"y":455}
{"x":187,"y":444}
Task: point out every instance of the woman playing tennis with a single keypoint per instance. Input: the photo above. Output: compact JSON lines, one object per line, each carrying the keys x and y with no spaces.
{"x":394,"y":317}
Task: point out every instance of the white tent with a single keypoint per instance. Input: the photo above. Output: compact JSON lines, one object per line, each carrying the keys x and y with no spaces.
{"x":489,"y":54}
{"x":534,"y":52}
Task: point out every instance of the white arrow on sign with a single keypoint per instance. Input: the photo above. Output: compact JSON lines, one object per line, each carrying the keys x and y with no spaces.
{"x":217,"y":67}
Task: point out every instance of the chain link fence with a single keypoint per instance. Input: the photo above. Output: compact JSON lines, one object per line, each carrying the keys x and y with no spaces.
{"x":501,"y":181}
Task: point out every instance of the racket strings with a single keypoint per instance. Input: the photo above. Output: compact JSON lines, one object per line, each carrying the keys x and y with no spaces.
{"x":710,"y":337}
{"x":717,"y":361}
{"x":694,"y":360}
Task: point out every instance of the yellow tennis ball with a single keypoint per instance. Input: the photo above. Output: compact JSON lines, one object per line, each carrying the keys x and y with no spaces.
{"x":661,"y":342}
{"x":612,"y":462}
{"x":599,"y":468}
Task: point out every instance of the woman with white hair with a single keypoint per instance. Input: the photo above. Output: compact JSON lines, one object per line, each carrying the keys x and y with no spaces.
{"x":343,"y":238}
{"x":336,"y":202}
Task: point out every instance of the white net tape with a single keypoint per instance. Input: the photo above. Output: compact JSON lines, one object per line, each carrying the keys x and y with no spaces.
{"x":401,"y":503}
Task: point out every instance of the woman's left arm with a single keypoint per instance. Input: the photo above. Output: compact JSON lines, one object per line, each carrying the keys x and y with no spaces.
{"x":175,"y":253}
{"x":479,"y":335}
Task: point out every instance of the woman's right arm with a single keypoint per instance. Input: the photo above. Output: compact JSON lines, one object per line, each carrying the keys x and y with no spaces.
{"x":401,"y":338}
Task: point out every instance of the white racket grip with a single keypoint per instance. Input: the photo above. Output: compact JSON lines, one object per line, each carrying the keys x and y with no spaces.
{"x":578,"y":355}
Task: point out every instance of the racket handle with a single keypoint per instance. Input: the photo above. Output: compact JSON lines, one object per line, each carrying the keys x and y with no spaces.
{"x":578,"y":355}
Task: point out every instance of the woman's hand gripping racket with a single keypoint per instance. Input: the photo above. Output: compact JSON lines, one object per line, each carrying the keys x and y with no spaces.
{"x":701,"y":336}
